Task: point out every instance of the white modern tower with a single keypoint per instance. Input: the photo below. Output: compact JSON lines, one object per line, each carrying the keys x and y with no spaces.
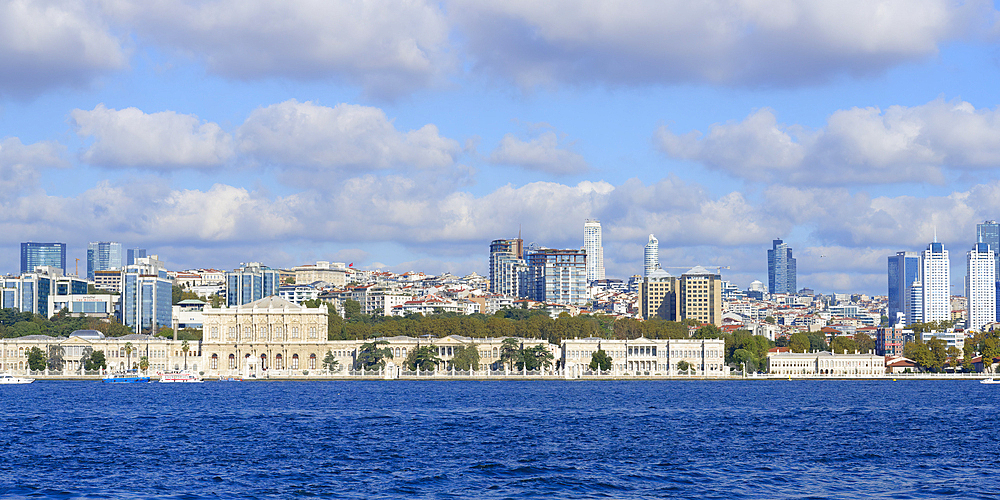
{"x":935,"y":274}
{"x":593,"y":245}
{"x":980,"y":289}
{"x":651,"y":256}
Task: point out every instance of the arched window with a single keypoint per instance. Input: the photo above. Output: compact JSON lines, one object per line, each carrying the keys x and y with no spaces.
{"x":295,"y":361}
{"x":232,"y":361}
{"x":263,"y":361}
{"x":277,"y":362}
{"x":312,"y":361}
{"x":215,"y":361}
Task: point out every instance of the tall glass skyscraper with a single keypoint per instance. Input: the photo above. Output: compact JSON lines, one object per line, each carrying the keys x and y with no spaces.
{"x":989,"y":232}
{"x":780,"y":269}
{"x":42,"y":254}
{"x":593,"y":245}
{"x":103,"y":256}
{"x":904,"y":270}
{"x":980,"y":286}
{"x":935,"y":273}
{"x":134,"y":253}
{"x":252,"y":281}
{"x":651,"y":256}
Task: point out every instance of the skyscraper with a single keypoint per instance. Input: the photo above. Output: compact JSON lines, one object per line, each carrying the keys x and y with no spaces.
{"x":103,"y":256}
{"x":42,"y":254}
{"x":250,"y":282}
{"x":146,"y":298}
{"x":935,"y":275}
{"x":780,"y":269}
{"x":989,"y":232}
{"x":980,"y":286}
{"x":904,"y":270}
{"x":651,"y":256}
{"x":593,"y":245}
{"x":132,"y":254}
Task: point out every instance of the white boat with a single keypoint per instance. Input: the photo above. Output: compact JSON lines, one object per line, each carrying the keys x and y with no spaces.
{"x":179,"y":378}
{"x":990,"y":380}
{"x":6,"y":378}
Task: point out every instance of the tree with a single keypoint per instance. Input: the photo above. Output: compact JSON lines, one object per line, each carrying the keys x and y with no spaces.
{"x":330,"y":362}
{"x":917,"y":351}
{"x":36,"y":359}
{"x":600,"y":360}
{"x":352,"y":309}
{"x":843,"y":345}
{"x":96,"y":361}
{"x":535,"y":358}
{"x":683,"y":366}
{"x":215,"y":300}
{"x":178,"y":294}
{"x":968,"y":352}
{"x":864,"y":342}
{"x":185,"y":347}
{"x":799,"y":342}
{"x":129,"y":349}
{"x":817,"y":342}
{"x":423,"y":357}
{"x":938,"y":354}
{"x":143,"y":363}
{"x":708,"y":332}
{"x":371,"y":356}
{"x":953,"y":357}
{"x":55,"y":361}
{"x":466,"y":357}
{"x":510,"y":352}
{"x":770,"y":320}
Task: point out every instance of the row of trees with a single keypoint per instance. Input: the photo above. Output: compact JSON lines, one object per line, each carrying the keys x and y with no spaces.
{"x":936,"y":356}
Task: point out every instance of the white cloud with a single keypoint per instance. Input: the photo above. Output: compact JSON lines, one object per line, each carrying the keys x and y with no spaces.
{"x":346,"y":138}
{"x":388,"y":48}
{"x":857,"y":146}
{"x":46,"y":44}
{"x":164,"y":140}
{"x":742,"y":42}
{"x":544,"y":153}
{"x":20,"y":164}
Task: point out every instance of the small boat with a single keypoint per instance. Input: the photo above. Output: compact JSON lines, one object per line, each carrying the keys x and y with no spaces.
{"x":6,"y":378}
{"x":180,"y":378}
{"x":130,"y":377}
{"x":232,"y":378}
{"x":990,"y":380}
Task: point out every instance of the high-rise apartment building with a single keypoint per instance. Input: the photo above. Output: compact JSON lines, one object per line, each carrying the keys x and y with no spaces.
{"x":103,"y":256}
{"x":935,"y":275}
{"x":42,"y":254}
{"x":904,"y":270}
{"x":651,"y":256}
{"x":146,"y":299}
{"x":594,"y":246}
{"x":980,"y":286}
{"x":252,"y":281}
{"x":780,"y":269}
{"x":558,"y":276}
{"x":697,"y":295}
{"x":508,"y":269}
{"x":132,"y":254}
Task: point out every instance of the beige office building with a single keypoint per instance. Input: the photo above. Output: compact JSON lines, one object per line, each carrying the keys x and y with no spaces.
{"x":697,"y":295}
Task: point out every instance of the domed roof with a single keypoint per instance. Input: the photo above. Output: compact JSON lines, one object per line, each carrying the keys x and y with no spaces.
{"x":87,"y":334}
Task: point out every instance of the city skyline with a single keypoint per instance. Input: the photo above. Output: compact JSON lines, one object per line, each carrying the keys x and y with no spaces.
{"x":404,"y":137}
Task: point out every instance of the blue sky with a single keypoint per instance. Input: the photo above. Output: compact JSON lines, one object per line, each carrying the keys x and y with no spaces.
{"x":407,"y":135}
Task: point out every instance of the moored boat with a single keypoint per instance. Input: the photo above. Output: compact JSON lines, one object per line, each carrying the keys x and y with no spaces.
{"x":6,"y":378}
{"x":990,"y":380}
{"x":179,"y":377}
{"x":130,"y":377}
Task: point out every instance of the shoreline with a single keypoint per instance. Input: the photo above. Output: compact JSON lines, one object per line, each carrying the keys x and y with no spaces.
{"x":447,"y":378}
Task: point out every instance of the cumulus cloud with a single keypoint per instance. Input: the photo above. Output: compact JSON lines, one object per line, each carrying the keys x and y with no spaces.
{"x":741,"y":43}
{"x":544,"y":153}
{"x":388,"y":48}
{"x":857,"y":145}
{"x":346,"y":137}
{"x":47,"y":44}
{"x":20,"y":164}
{"x":164,"y":140}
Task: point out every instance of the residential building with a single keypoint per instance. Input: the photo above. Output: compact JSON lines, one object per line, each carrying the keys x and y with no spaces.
{"x":42,"y":254}
{"x":904,"y":270}
{"x":558,"y":276}
{"x":187,"y":314}
{"x":297,"y":294}
{"x":935,"y":276}
{"x":989,"y":232}
{"x":508,"y":270}
{"x":334,"y":273}
{"x":251,"y":282}
{"x":951,"y":337}
{"x":593,"y":245}
{"x":781,"y":270}
{"x":651,"y":256}
{"x":889,"y":341}
{"x":103,"y":256}
{"x":980,"y":286}
{"x":108,"y":280}
{"x":915,"y":303}
{"x":700,"y":296}
{"x":658,"y":295}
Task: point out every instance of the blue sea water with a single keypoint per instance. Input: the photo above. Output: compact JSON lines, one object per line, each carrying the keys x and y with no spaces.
{"x":501,"y":439}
